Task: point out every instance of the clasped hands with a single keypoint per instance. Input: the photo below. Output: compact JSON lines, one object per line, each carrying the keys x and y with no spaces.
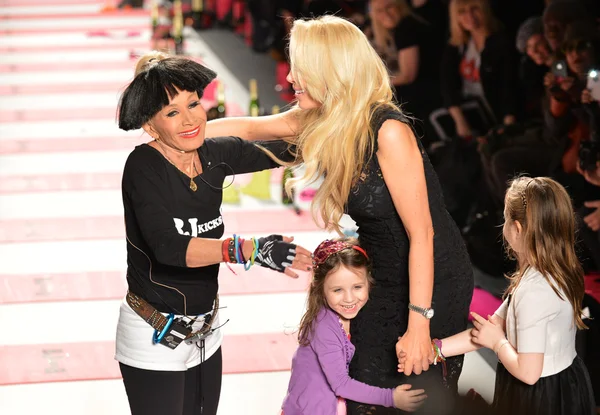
{"x":415,"y":351}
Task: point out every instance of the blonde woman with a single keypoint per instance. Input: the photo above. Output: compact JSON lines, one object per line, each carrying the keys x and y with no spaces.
{"x":411,"y":49}
{"x":478,"y":63}
{"x":346,"y":128}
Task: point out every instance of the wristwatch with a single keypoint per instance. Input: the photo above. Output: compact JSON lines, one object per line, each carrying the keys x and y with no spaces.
{"x":425,"y":312}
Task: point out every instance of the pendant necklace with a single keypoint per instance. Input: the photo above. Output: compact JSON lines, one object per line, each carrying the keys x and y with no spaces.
{"x":193,"y":185}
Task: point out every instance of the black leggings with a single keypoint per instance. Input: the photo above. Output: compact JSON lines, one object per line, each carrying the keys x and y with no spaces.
{"x":195,"y":391}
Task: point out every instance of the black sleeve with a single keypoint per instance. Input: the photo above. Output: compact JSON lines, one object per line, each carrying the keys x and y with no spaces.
{"x":556,"y":129}
{"x":451,"y":82}
{"x":246,"y":157}
{"x":407,"y":33}
{"x":508,"y":56}
{"x":531,"y":88}
{"x":145,"y":196}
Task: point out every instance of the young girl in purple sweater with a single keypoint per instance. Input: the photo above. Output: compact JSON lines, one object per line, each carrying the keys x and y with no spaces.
{"x":320,"y":382}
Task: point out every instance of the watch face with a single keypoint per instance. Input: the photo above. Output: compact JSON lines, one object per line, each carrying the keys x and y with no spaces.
{"x":429,"y":313}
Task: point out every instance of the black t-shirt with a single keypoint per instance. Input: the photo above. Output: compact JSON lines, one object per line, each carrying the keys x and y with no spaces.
{"x":162,"y":214}
{"x":421,"y":96}
{"x":413,"y":31}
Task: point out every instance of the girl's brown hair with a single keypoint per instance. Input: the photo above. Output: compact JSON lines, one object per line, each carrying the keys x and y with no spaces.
{"x":349,"y":258}
{"x":544,"y":210}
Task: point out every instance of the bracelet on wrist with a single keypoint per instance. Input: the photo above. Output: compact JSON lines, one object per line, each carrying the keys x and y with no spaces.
{"x":438,"y":356}
{"x":231,"y":251}
{"x":503,"y":343}
{"x":239,"y":251}
{"x":437,"y":347}
{"x":225,"y":249}
{"x":254,"y":250}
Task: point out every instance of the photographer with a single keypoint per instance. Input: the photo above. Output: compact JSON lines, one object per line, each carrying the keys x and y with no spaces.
{"x":589,"y":167}
{"x":551,"y":149}
{"x":589,"y":234}
{"x":567,"y":115}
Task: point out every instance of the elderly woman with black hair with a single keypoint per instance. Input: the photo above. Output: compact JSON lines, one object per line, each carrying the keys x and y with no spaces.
{"x":536,"y":59}
{"x":168,"y":338}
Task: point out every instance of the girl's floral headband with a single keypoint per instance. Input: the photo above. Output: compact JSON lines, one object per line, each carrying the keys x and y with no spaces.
{"x":329,"y":247}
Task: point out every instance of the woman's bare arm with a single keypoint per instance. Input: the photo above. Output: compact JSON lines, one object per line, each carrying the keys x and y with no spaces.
{"x":270,"y":127}
{"x":402,"y":166}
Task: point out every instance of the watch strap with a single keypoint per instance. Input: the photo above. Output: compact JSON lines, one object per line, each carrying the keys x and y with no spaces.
{"x":421,"y":310}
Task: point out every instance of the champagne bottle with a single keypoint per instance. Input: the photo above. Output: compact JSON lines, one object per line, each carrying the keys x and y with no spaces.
{"x":154,"y":16}
{"x":260,"y":184}
{"x":178,"y":27}
{"x":287,"y":200}
{"x":198,"y":14}
{"x":221,"y":100}
{"x":254,"y":105}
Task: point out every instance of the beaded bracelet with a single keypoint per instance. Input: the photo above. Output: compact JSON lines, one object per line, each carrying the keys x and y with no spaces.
{"x":438,"y":356}
{"x":437,"y":348}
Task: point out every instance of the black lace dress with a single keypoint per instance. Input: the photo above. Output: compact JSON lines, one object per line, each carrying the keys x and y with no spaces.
{"x":376,"y":329}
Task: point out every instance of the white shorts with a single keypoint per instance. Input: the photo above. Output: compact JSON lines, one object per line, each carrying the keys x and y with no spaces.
{"x":134,"y":345}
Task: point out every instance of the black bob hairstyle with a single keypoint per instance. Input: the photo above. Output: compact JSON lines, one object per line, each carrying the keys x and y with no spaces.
{"x":151,"y":90}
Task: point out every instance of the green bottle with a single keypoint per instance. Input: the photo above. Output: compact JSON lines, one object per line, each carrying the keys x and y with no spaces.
{"x":154,"y":15}
{"x":254,"y":109}
{"x":221,"y":100}
{"x":178,"y":27}
{"x":198,"y":14}
{"x":287,"y":200}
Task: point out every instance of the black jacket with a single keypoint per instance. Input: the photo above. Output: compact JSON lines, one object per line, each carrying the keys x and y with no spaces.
{"x":498,"y":73}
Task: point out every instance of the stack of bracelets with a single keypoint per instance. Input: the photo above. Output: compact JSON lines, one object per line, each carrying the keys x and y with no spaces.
{"x":438,"y":356}
{"x":233,"y":253}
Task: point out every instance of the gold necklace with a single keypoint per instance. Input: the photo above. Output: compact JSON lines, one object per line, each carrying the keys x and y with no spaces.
{"x":193,"y":185}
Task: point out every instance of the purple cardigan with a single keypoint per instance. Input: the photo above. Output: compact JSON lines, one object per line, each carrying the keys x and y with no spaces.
{"x":320,"y":373}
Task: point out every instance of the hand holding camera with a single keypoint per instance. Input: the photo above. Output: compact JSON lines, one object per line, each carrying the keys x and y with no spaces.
{"x":549,"y":80}
{"x":592,"y":175}
{"x":586,"y":97}
{"x":592,"y":91}
{"x":557,"y":81}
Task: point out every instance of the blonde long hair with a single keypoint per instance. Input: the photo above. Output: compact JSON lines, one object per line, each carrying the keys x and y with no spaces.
{"x":458,"y":35}
{"x":336,"y":65}
{"x":544,"y":210}
{"x":382,"y":37}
